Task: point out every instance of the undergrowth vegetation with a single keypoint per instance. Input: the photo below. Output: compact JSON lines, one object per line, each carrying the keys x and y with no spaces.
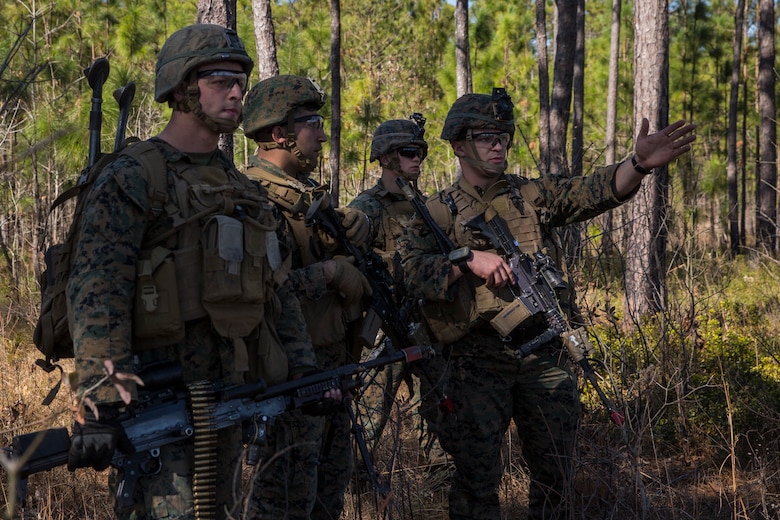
{"x":698,"y":384}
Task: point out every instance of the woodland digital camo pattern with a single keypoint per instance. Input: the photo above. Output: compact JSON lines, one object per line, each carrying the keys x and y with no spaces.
{"x":286,"y":489}
{"x":394,"y":134}
{"x":476,"y":111}
{"x":191,"y":47}
{"x":489,"y":386}
{"x":272,"y":101}
{"x":390,"y":213}
{"x":101,"y":289}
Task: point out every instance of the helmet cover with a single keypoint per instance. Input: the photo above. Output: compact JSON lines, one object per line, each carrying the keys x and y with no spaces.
{"x":479,"y":111}
{"x":191,"y":47}
{"x":273,"y":100}
{"x":396,"y":133}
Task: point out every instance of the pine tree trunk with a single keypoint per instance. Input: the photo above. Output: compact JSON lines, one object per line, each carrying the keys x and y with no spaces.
{"x":646,"y":241}
{"x":462,"y":64}
{"x":607,"y":241}
{"x":544,"y":87}
{"x":219,"y":12}
{"x":266,"y":63}
{"x":335,"y":100}
{"x":731,"y":137}
{"x":563,"y":77}
{"x":766,"y":228}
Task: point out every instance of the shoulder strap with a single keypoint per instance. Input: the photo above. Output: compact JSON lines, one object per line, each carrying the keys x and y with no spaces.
{"x":529,"y":190}
{"x":440,"y":211}
{"x":155,"y":171}
{"x":287,"y":192}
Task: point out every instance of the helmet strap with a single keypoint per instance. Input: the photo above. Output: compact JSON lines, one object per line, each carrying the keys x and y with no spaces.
{"x":190,"y":102}
{"x":486,"y":167}
{"x":290,"y":144}
{"x":306,"y":165}
{"x":394,"y":163}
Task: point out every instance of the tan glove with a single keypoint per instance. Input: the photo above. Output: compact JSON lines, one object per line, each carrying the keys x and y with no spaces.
{"x":356,"y":225}
{"x":347,"y":279}
{"x":328,"y":241}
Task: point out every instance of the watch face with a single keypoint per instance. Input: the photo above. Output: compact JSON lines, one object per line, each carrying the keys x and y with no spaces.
{"x":459,"y":255}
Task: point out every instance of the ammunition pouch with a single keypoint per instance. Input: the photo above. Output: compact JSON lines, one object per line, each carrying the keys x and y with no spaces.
{"x":510,"y":317}
{"x":157,"y":316}
{"x":452,"y":320}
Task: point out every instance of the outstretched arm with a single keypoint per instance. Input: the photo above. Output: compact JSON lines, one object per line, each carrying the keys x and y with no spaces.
{"x":653,"y":151}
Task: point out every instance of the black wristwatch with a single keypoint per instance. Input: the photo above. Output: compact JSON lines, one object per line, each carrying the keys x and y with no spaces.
{"x":460,"y":256}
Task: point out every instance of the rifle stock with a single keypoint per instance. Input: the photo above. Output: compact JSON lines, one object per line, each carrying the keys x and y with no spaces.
{"x":164,"y":417}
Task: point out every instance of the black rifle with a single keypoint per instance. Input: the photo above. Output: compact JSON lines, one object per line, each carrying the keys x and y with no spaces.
{"x":536,"y":280}
{"x":382,"y":310}
{"x":164,"y":417}
{"x":442,"y":240}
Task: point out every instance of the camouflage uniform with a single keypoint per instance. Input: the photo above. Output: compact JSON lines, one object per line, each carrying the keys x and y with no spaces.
{"x":390,"y":212}
{"x":117,"y":224}
{"x":488,"y":384}
{"x":309,"y":480}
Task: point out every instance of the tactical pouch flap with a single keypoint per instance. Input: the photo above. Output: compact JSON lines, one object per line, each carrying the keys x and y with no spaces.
{"x":156,"y":312}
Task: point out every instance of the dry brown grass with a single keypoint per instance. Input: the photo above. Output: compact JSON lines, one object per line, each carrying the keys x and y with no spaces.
{"x":621,"y":474}
{"x":610,"y":483}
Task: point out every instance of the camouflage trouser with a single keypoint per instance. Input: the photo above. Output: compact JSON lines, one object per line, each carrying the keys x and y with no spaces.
{"x":168,"y":494}
{"x":377,"y":401}
{"x":305,"y":469}
{"x":284,"y":483}
{"x":335,"y":469}
{"x":489,"y":389}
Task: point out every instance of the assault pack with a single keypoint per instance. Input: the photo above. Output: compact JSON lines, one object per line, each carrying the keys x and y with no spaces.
{"x":52,"y":332}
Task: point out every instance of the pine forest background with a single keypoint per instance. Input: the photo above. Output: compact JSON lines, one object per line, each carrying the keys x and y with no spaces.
{"x":679,"y":287}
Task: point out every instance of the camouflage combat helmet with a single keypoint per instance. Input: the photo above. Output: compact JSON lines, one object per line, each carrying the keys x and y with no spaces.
{"x":273,"y":101}
{"x":193,"y":46}
{"x":396,"y":133}
{"x":478,"y":111}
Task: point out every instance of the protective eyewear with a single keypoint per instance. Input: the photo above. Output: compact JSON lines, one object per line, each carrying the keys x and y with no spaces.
{"x":491,"y":139}
{"x":223,"y":80}
{"x":314,"y":121}
{"x":410,"y":152}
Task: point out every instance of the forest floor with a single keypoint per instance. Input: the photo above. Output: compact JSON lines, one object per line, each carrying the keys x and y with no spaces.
{"x":611,"y":483}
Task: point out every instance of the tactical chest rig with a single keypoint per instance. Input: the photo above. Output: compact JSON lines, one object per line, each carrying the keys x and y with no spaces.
{"x":214,"y":254}
{"x":397,"y":214}
{"x":519,"y":202}
{"x":323,"y":316}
